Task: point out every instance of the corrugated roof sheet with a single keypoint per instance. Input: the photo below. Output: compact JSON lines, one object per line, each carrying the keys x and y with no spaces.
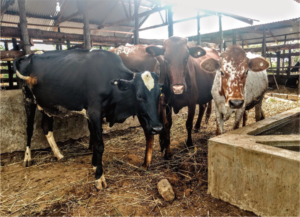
{"x":254,"y":34}
{"x":45,"y":12}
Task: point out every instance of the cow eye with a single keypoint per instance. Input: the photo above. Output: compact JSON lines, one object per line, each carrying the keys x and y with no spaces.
{"x":222,"y":73}
{"x":139,"y":97}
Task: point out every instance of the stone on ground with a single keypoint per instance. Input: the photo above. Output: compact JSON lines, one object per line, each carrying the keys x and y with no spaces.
{"x":165,"y":190}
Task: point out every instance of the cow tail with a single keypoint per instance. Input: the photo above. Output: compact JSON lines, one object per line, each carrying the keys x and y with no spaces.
{"x":208,"y":112}
{"x":16,"y":65}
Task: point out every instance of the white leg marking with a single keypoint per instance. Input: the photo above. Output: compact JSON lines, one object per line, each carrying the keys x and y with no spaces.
{"x":53,"y":146}
{"x":27,"y":157}
{"x":94,"y":168}
{"x":99,"y":182}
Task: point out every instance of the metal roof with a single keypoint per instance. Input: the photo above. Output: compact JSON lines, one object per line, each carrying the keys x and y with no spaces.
{"x":45,"y":14}
{"x":253,"y":34}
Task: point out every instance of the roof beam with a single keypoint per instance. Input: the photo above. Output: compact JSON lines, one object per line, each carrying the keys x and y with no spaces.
{"x":6,"y":6}
{"x":139,"y":16}
{"x":75,"y":14}
{"x":272,"y":34}
{"x":61,"y":13}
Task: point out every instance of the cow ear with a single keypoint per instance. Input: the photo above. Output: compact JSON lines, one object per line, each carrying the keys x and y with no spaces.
{"x":155,"y":50}
{"x":210,"y":65}
{"x":121,"y":84}
{"x":197,"y":51}
{"x":258,"y":64}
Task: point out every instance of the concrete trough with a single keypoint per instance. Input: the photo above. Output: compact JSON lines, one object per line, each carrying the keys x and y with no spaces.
{"x":13,"y":118}
{"x":252,"y":172}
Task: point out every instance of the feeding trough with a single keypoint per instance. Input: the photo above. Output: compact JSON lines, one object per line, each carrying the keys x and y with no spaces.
{"x":257,"y":167}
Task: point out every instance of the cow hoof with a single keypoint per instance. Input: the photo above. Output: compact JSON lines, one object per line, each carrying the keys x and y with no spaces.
{"x":196,"y":130}
{"x":144,"y":167}
{"x":100,"y":183}
{"x":27,"y":163}
{"x":167,"y":156}
{"x":60,"y":157}
{"x":188,"y":143}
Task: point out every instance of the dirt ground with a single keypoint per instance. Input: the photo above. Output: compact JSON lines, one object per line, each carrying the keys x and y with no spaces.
{"x":67,"y":188}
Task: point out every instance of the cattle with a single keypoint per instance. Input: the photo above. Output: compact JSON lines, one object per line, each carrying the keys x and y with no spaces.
{"x":240,"y":83}
{"x":293,"y":80}
{"x":95,"y":84}
{"x":186,"y":83}
{"x":136,"y":58}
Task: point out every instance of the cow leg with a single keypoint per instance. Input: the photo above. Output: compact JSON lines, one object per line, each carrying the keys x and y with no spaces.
{"x":189,"y":124}
{"x":91,"y":135}
{"x":258,"y":112}
{"x":47,"y":126}
{"x":245,"y":118}
{"x":238,"y":117}
{"x":30,"y":108}
{"x":98,"y":147}
{"x":202,"y":108}
{"x":149,"y":150}
{"x":164,"y":136}
{"x":219,"y":121}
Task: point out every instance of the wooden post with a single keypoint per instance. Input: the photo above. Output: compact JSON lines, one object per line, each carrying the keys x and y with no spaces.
{"x":233,"y":37}
{"x":10,"y":71}
{"x":170,"y":21}
{"x":136,"y":22}
{"x":82,"y":5}
{"x":264,"y":43}
{"x":15,"y":45}
{"x":68,"y":44}
{"x":290,"y":61}
{"x":23,"y":26}
{"x":198,"y":29}
{"x":221,"y":32}
{"x":278,"y":63}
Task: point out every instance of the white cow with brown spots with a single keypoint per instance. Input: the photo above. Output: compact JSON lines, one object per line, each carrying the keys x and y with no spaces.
{"x":240,"y":83}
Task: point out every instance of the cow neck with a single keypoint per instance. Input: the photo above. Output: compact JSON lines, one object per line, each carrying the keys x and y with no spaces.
{"x":123,"y":106}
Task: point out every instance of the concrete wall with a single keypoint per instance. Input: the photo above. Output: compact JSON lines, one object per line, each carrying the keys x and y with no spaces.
{"x":13,"y":125}
{"x":256,"y":177}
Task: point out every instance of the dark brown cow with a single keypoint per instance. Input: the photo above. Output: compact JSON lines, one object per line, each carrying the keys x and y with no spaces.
{"x":187,"y":83}
{"x":137,"y":59}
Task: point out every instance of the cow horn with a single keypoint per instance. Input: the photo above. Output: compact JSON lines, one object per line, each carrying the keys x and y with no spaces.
{"x":22,"y":76}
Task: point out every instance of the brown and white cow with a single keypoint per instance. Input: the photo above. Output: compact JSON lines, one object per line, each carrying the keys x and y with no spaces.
{"x":240,"y":82}
{"x":187,"y":84}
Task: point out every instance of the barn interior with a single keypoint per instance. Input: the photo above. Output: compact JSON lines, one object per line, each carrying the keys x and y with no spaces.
{"x":66,"y":188}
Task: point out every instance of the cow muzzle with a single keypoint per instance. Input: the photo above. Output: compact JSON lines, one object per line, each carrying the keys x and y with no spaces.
{"x":156,"y":129}
{"x":178,"y":89}
{"x":236,"y":104}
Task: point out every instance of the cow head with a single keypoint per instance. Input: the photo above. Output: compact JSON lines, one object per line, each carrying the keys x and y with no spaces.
{"x":146,"y":97}
{"x":233,"y":68}
{"x":176,"y":56}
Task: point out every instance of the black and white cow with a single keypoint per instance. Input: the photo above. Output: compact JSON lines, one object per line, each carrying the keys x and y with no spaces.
{"x":95,"y":84}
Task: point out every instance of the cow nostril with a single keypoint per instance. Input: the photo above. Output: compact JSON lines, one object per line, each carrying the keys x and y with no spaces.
{"x":236,"y":103}
{"x":178,"y":89}
{"x":157,"y":129}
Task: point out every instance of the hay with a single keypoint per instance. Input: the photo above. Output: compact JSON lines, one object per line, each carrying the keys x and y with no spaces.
{"x":67,"y":188}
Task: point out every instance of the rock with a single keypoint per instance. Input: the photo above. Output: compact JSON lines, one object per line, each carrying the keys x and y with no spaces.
{"x":188,"y":192}
{"x":165,"y":190}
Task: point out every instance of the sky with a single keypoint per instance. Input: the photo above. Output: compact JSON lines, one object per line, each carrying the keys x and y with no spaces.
{"x":265,"y":11}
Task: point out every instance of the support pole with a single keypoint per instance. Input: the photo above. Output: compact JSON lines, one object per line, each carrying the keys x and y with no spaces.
{"x":170,"y":21}
{"x":264,"y":42}
{"x":68,"y":44}
{"x":233,"y":37}
{"x":136,"y":22}
{"x":10,"y":71}
{"x":278,"y":63}
{"x":198,"y":29}
{"x":221,"y":32}
{"x":23,"y":26}
{"x":290,"y":61}
{"x":82,"y":5}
